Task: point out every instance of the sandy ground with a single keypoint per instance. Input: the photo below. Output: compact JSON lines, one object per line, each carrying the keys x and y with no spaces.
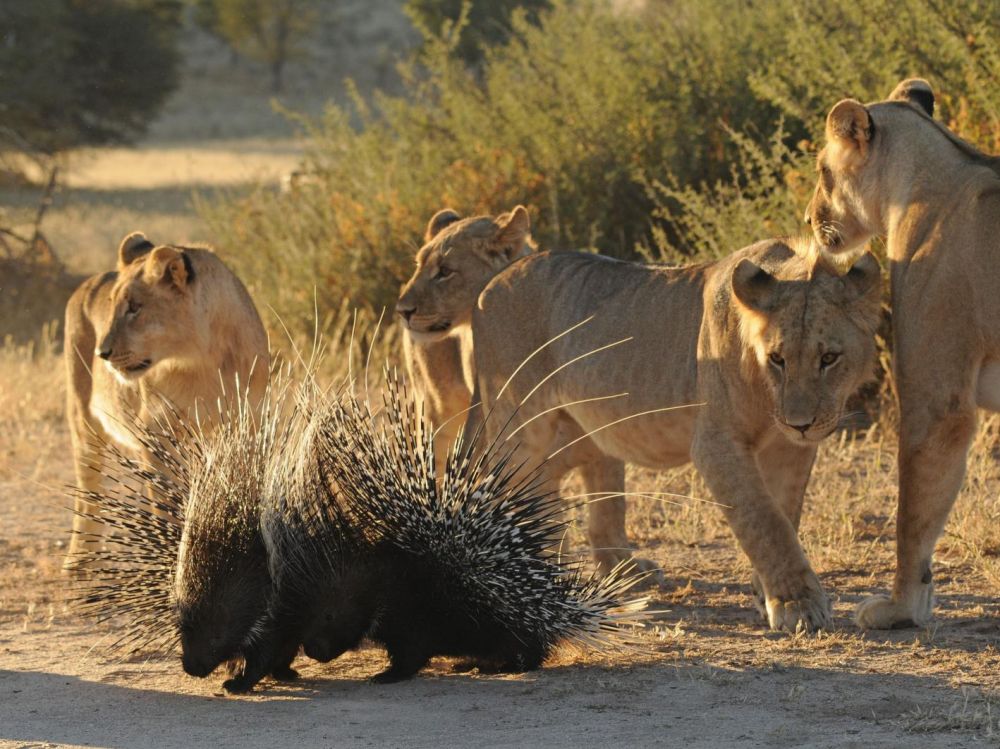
{"x":711,"y":674}
{"x":50,"y":704}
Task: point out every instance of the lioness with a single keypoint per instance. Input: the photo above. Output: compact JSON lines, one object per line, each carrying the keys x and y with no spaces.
{"x":769,"y":343}
{"x":889,"y":169}
{"x":170,"y":325}
{"x":458,"y":258}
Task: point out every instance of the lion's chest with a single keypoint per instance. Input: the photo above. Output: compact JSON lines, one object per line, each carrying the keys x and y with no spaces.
{"x":115,"y":405}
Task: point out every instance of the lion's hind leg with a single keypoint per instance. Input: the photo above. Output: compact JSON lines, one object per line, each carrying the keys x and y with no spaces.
{"x":604,"y":492}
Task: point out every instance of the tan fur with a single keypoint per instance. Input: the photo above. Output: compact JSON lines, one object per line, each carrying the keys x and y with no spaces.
{"x":936,"y":200}
{"x":708,"y":334}
{"x":436,"y":310}
{"x":170,"y":325}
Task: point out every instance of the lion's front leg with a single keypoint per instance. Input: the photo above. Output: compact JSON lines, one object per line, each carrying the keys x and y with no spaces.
{"x":786,"y":469}
{"x":932,"y":461}
{"x":85,"y":538}
{"x":793,"y":595}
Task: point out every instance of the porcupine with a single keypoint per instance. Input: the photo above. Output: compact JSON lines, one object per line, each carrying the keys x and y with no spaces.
{"x":187,"y":562}
{"x":461,"y":566}
{"x":298,"y":508}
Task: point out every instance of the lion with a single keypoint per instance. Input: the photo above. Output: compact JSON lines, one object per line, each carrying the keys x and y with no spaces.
{"x":742,"y":366}
{"x":889,"y":169}
{"x":172,"y":332}
{"x":458,"y":258}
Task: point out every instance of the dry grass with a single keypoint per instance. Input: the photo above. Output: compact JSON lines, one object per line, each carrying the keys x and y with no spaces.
{"x":34,"y":471}
{"x":975,"y":711}
{"x":707,"y":620}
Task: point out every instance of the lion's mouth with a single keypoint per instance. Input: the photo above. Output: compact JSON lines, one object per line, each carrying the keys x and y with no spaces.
{"x":827,"y":235}
{"x":131,"y":370}
{"x":810,"y":436}
{"x":429,"y":332}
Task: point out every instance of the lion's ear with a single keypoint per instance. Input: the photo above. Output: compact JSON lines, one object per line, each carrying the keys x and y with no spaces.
{"x":849,"y":126}
{"x":170,"y":266}
{"x":513,"y":230}
{"x":133,"y":245}
{"x":863,"y":278}
{"x":753,"y":286}
{"x":438,"y":221}
{"x":915,"y":91}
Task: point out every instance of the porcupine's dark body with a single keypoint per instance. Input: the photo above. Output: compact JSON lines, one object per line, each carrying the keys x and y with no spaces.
{"x":223,"y":588}
{"x":403,"y":602}
{"x":326,"y":528}
{"x":460,"y":565}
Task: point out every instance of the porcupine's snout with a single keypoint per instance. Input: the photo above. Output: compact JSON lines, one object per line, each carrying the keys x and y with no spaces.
{"x":196,"y":667}
{"x":199,"y":658}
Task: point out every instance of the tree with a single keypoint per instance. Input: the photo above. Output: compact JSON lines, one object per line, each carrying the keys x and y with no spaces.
{"x":83,"y":72}
{"x":267,"y":30}
{"x":488,"y":22}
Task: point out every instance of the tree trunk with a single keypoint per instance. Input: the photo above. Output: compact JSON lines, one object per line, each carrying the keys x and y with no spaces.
{"x":277,"y":68}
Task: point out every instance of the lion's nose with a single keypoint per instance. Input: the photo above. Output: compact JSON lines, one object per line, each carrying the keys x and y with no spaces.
{"x":808,"y":218}
{"x":405,"y":311}
{"x":104,"y":352}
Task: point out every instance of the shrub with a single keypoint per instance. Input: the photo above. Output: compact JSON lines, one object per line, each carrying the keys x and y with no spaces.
{"x":768,"y":184}
{"x":631,"y":132}
{"x":832,"y":50}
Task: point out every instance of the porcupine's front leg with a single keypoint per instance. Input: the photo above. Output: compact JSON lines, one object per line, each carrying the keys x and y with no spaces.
{"x":243,"y":683}
{"x":259,"y":659}
{"x":405,"y":659}
{"x":282,"y":668}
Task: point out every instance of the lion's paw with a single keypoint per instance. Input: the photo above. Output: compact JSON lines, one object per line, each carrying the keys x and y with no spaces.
{"x":882,"y":612}
{"x":653,"y":573}
{"x":809,"y":611}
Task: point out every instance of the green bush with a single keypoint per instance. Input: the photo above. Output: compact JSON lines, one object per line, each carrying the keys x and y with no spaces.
{"x":831,"y":50}
{"x":629,"y":132}
{"x":487,"y":22}
{"x":762,"y":197}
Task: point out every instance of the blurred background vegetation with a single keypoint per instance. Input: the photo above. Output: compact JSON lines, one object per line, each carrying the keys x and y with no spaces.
{"x":666,"y":129}
{"x":673,"y":130}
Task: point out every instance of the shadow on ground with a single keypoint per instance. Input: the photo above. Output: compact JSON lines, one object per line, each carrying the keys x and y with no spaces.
{"x":558,"y":707}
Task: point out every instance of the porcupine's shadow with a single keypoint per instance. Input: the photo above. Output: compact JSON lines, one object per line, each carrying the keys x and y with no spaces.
{"x":563,"y":706}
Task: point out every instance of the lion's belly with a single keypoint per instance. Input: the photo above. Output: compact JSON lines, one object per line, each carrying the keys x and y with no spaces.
{"x":657,"y":441}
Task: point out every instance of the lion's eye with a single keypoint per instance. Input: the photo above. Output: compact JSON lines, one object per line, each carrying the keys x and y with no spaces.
{"x":828,"y":359}
{"x":133,"y":307}
{"x":776,"y":359}
{"x":827,"y":177}
{"x":443,"y":274}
